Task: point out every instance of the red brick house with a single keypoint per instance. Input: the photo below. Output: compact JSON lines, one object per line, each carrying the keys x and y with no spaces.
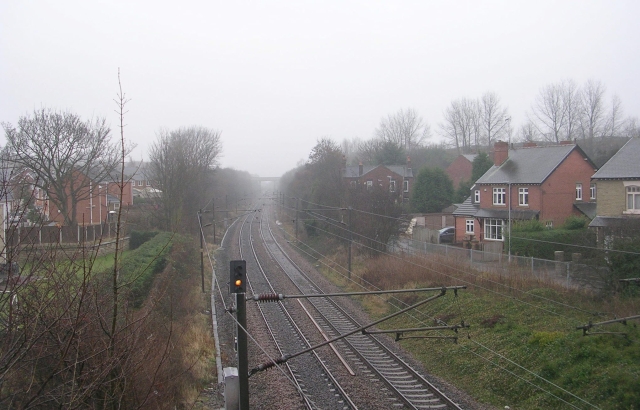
{"x":397,"y":179}
{"x":460,"y":169}
{"x":137,"y":174}
{"x":545,"y":183}
{"x":99,"y":198}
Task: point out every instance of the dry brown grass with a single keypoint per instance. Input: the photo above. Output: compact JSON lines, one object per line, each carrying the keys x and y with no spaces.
{"x":408,"y":271}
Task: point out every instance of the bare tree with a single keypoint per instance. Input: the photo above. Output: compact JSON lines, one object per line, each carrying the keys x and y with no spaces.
{"x":368,"y":150}
{"x":557,"y":110}
{"x":181,"y":161}
{"x":405,"y":128}
{"x":350,"y":148}
{"x":494,"y":118}
{"x":548,"y":115}
{"x":462,"y":124}
{"x":632,"y":128}
{"x":527,"y":132}
{"x":592,"y":108}
{"x":615,"y":121}
{"x":70,"y":336}
{"x":59,"y":146}
{"x":571,"y":103}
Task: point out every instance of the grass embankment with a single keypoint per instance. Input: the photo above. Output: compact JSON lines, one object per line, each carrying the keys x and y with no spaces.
{"x":164,"y":274}
{"x":522,"y":348}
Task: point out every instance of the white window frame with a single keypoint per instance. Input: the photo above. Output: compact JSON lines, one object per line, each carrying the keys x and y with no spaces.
{"x":494,"y":229}
{"x":476,"y":196}
{"x":499,"y":196}
{"x":470,"y":226}
{"x":523,"y":196}
{"x":592,"y":191}
{"x":140,"y":183}
{"x":632,"y":197}
{"x":406,"y":185}
{"x":578,"y":191}
{"x":369,"y":184}
{"x":392,"y":185}
{"x":548,"y":224}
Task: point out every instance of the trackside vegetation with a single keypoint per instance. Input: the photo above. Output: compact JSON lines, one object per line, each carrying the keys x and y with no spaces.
{"x":522,"y":348}
{"x":142,"y":265}
{"x":56,"y":349}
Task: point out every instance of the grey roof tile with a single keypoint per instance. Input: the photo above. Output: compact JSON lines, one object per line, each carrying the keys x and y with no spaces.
{"x":625,"y":164}
{"x":354,"y":171}
{"x":587,"y":208}
{"x":466,"y":208}
{"x":527,"y":165}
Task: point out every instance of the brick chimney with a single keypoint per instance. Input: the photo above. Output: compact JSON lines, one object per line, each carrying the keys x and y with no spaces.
{"x":529,"y":144}
{"x":500,"y":152}
{"x":360,"y":169}
{"x":408,"y":164}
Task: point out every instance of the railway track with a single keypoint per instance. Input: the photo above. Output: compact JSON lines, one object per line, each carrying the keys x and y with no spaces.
{"x":408,"y":388}
{"x":317,"y":386}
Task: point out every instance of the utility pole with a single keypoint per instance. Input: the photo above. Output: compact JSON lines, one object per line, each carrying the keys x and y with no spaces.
{"x":213,"y":212}
{"x":200,"y":234}
{"x":297,"y":214}
{"x":350,"y":239}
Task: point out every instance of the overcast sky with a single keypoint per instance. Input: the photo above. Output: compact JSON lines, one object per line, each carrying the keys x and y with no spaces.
{"x":275,"y":76}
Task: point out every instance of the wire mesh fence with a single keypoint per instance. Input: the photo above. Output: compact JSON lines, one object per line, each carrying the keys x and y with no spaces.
{"x":571,"y":275}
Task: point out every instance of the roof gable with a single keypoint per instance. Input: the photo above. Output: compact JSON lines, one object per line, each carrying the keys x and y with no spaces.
{"x":354,"y":171}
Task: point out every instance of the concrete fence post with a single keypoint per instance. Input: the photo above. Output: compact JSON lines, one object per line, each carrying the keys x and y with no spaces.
{"x":558,"y":256}
{"x":532,"y":270}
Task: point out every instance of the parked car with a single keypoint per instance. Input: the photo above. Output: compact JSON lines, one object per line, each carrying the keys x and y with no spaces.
{"x":446,"y":235}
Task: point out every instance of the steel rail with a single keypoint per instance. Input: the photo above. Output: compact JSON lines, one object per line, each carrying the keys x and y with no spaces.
{"x":298,"y":387}
{"x":416,"y":401}
{"x":309,"y":403}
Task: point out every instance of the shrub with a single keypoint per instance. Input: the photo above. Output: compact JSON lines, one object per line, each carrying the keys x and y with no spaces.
{"x":141,"y":265}
{"x":532,"y":225}
{"x":137,"y":238}
{"x":543,"y":244}
{"x":575,"y":222}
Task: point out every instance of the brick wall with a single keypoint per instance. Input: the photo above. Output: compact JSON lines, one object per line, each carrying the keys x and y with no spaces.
{"x":559,"y":190}
{"x":380,"y":177}
{"x":459,"y":170}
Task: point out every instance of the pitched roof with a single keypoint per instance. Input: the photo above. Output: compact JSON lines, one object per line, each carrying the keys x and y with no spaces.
{"x":354,"y":171}
{"x":625,"y":164}
{"x":506,"y":214}
{"x":587,"y":208}
{"x":467,"y":208}
{"x":529,"y":165}
{"x":470,"y":157}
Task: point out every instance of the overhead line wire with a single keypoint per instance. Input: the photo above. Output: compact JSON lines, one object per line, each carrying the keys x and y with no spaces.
{"x":484,"y":347}
{"x":471,"y":274}
{"x":513,"y":237}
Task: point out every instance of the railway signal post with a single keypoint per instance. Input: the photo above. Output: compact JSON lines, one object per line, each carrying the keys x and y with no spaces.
{"x":237,"y":286}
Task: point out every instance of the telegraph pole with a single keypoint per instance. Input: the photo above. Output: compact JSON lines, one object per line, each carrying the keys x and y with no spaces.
{"x":350,"y":239}
{"x":213,"y":211}
{"x":297,"y":214}
{"x":200,"y":234}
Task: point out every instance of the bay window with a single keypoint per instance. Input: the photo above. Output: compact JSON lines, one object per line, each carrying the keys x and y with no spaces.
{"x":493,"y":229}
